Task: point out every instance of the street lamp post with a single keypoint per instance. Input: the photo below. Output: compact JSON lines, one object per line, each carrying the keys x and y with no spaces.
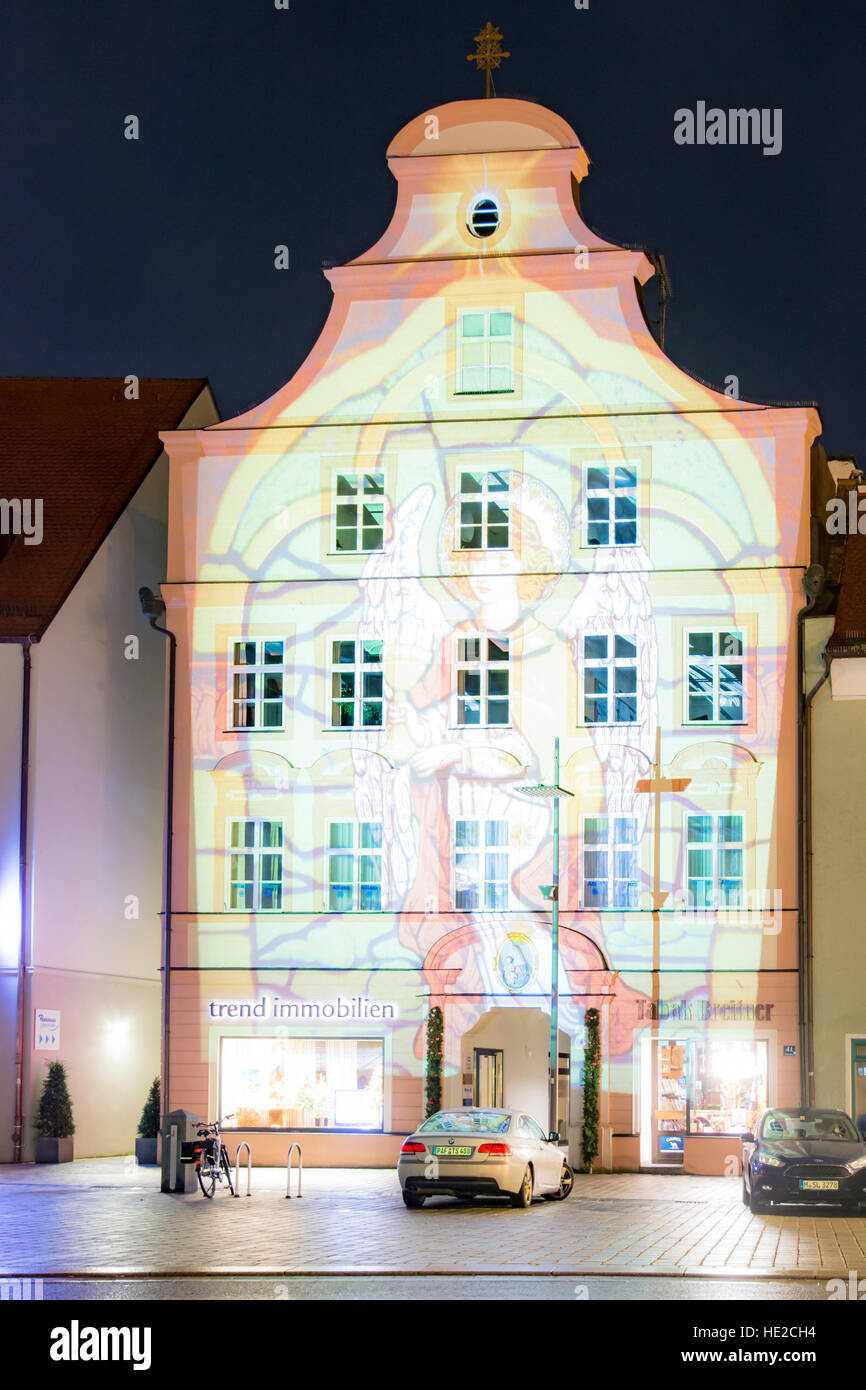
{"x":551,"y":892}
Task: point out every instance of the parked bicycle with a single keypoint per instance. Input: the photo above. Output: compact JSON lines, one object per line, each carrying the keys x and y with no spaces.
{"x":211,"y":1158}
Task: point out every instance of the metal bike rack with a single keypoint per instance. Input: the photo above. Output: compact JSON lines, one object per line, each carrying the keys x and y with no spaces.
{"x":292,"y":1148}
{"x":246,"y":1146}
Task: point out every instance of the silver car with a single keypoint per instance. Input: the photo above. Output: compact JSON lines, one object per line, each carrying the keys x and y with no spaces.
{"x":483,"y":1153}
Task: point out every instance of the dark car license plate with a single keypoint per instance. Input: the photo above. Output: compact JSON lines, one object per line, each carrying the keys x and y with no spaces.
{"x":819,"y":1184}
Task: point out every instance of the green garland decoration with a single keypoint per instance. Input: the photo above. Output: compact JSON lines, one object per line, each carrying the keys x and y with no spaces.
{"x":591,"y":1066}
{"x":435,"y":1034}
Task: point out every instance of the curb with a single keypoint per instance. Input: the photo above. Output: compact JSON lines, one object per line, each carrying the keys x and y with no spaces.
{"x":482,"y":1271}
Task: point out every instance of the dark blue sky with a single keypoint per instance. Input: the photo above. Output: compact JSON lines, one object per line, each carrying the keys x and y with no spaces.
{"x":262,"y":126}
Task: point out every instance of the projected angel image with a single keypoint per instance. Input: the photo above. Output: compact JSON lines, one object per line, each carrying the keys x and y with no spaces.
{"x":487,"y":512}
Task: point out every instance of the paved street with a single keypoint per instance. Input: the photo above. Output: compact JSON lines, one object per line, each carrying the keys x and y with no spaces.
{"x":106,"y":1216}
{"x":542,"y":1288}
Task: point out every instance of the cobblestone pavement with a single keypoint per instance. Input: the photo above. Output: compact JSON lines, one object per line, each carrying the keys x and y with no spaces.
{"x":106,"y":1216}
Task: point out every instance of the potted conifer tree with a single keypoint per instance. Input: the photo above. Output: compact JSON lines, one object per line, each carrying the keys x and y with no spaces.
{"x":54,"y":1121}
{"x":148,"y":1127}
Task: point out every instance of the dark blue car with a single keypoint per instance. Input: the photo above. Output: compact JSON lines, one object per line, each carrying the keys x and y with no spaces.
{"x":804,"y":1156}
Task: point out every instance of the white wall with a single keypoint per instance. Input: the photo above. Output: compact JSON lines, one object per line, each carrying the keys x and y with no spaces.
{"x":11,"y":679}
{"x":11,"y":676}
{"x":524,"y":1036}
{"x":96,"y":818}
{"x":109,"y":1043}
{"x":838,"y":889}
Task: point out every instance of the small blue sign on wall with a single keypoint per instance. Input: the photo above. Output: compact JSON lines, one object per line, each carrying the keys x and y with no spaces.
{"x":671,"y":1143}
{"x":789,"y":1050}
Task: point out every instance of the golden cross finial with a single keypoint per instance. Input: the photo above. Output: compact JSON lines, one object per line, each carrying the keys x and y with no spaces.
{"x":489,"y":54}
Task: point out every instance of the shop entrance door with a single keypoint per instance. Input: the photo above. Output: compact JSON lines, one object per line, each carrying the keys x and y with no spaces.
{"x":670,"y":1090}
{"x":858,"y":1082}
{"x":489,"y":1088}
{"x":563,"y":1074}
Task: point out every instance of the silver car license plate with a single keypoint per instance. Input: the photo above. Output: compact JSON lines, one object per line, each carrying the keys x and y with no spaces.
{"x":453,"y":1151}
{"x":819,"y":1185}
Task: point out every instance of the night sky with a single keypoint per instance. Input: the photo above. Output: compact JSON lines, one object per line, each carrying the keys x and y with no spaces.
{"x":262,"y":126}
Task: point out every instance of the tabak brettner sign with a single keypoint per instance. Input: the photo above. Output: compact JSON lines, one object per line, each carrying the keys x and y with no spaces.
{"x":702,"y":1011}
{"x":354,"y":1008}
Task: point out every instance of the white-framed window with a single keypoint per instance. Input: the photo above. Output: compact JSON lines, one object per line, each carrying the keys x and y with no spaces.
{"x":485,"y":351}
{"x":610,"y":867}
{"x":485,"y":502}
{"x":357,"y":683}
{"x":481,"y":877}
{"x":714,"y":861}
{"x":715,"y":689}
{"x":359,"y":511}
{"x":355,"y":866}
{"x":483,"y":680}
{"x":255,"y":865}
{"x":609,"y":678}
{"x":257,"y":678}
{"x":610,"y":506}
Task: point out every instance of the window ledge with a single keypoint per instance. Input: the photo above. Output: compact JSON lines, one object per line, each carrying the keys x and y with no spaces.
{"x":353,"y":554}
{"x":355,"y":911}
{"x":618,"y":910}
{"x":319,"y":1129}
{"x":504,"y":391}
{"x":257,"y":729}
{"x":355,"y":729}
{"x":716,"y":723}
{"x":479,"y":728}
{"x":253,"y":911}
{"x":488,"y":909}
{"x":615,"y":724}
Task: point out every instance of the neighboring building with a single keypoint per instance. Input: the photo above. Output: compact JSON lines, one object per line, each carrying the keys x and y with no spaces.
{"x":836,"y":676}
{"x":92,"y":461}
{"x":487,"y":510}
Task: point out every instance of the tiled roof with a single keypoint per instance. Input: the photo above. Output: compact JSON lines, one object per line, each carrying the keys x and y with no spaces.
{"x":81,"y":447}
{"x":849,"y":629}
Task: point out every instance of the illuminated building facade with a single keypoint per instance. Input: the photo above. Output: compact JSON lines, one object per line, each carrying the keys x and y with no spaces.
{"x":485,"y":512}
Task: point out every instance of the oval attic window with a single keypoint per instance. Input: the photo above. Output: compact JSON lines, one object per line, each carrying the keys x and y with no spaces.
{"x":483,"y":217}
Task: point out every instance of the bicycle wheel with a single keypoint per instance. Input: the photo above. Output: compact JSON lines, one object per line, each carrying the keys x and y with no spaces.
{"x":206,"y":1177}
{"x":226,"y":1166}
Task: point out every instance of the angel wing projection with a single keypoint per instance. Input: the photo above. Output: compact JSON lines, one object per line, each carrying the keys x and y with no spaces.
{"x":614,"y":603}
{"x":398,"y":610}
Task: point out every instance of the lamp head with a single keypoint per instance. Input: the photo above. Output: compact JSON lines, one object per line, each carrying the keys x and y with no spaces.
{"x":151,"y":605}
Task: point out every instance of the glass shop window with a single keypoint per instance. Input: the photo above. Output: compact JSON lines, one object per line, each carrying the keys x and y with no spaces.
{"x":728,"y":1085}
{"x":302,"y":1083}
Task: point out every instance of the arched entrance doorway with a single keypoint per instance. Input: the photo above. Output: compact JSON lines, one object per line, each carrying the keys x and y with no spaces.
{"x":506,"y":1055}
{"x":492,"y":982}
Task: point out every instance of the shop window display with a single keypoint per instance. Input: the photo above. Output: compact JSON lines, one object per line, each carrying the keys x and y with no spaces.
{"x":729,"y":1085}
{"x":302,"y":1083}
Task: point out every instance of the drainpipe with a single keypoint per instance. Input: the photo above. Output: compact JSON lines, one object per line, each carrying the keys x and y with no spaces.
{"x":23,"y":896}
{"x":813,"y":583}
{"x":553,"y":1097}
{"x":153,"y":607}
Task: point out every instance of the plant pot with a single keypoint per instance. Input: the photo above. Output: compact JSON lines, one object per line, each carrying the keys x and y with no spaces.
{"x":145,"y":1152}
{"x":53,"y":1150}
